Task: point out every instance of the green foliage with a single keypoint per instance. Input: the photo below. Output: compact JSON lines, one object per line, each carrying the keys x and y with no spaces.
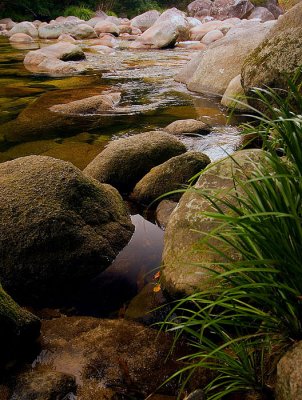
{"x":79,"y":11}
{"x":242,"y":326}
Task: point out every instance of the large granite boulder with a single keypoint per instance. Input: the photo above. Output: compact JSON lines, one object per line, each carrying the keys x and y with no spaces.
{"x":289,"y":375}
{"x":54,"y":59}
{"x":280,"y":54}
{"x":223,"y":9}
{"x":188,"y":226}
{"x":168,"y":28}
{"x":18,"y":326}
{"x":8,"y":22}
{"x":234,"y":97}
{"x":146,"y":20}
{"x":125,"y":161}
{"x":21,"y":38}
{"x":172,"y":175}
{"x":57,"y":226}
{"x":224,"y":58}
{"x":54,"y":30}
{"x":25,"y":27}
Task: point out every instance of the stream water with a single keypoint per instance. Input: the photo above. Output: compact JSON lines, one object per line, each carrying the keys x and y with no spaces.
{"x":151,"y":99}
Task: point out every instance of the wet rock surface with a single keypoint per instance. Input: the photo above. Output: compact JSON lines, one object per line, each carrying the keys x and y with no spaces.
{"x":170,"y":176}
{"x":58,"y":226}
{"x":125,"y":161}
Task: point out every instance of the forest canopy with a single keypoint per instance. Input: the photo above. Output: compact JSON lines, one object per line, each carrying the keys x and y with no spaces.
{"x":47,"y":9}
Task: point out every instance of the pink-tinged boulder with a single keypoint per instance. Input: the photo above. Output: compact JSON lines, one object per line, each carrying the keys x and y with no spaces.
{"x":212,"y":36}
{"x":66,"y":38}
{"x":198,"y":32}
{"x":193,"y":22}
{"x":55,"y":59}
{"x":187,"y":72}
{"x":8,"y":22}
{"x":223,"y":9}
{"x":21,"y":38}
{"x":145,"y":20}
{"x":106,"y":39}
{"x":60,"y":19}
{"x":262,"y":14}
{"x":107,"y":27}
{"x":25,"y":27}
{"x":199,"y":8}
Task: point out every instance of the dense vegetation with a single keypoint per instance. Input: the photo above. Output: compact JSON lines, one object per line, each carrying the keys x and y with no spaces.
{"x":241,"y":327}
{"x":45,"y":9}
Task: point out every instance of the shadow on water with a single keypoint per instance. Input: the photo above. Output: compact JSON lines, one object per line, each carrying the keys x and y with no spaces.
{"x":108,"y":294}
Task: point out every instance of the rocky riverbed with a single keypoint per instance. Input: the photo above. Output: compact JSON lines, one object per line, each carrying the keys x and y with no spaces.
{"x":98,"y":119}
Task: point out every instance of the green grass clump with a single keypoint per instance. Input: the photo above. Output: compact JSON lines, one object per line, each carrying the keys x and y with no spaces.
{"x":79,"y":11}
{"x":241,"y":328}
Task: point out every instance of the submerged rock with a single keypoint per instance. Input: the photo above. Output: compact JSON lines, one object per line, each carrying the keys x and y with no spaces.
{"x":54,"y":59}
{"x":44,"y":385}
{"x":188,"y":226}
{"x":90,"y":105}
{"x":125,"y":161}
{"x":18,"y":326}
{"x":58,"y":226}
{"x":110,"y":356}
{"x":174,"y":174}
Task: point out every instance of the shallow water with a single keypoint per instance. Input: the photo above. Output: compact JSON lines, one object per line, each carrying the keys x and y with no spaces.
{"x":151,"y":99}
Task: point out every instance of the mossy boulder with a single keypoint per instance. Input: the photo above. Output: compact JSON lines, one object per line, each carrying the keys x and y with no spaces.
{"x":224,"y":58}
{"x":57,"y":226}
{"x":169,"y":176}
{"x":17,"y":325}
{"x":278,"y":56}
{"x":187,"y":226}
{"x":125,"y":161}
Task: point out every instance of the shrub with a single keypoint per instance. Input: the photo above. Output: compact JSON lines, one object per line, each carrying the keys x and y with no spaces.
{"x":241,"y":328}
{"x":79,"y":11}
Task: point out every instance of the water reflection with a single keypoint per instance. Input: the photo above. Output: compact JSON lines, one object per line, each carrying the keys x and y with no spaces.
{"x":107,"y":294}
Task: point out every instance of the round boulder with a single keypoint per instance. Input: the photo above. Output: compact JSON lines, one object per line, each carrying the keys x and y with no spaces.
{"x":21,"y":38}
{"x":169,"y":176}
{"x":57,"y":226}
{"x":125,"y":161}
{"x":25,"y":27}
{"x":106,"y":27}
